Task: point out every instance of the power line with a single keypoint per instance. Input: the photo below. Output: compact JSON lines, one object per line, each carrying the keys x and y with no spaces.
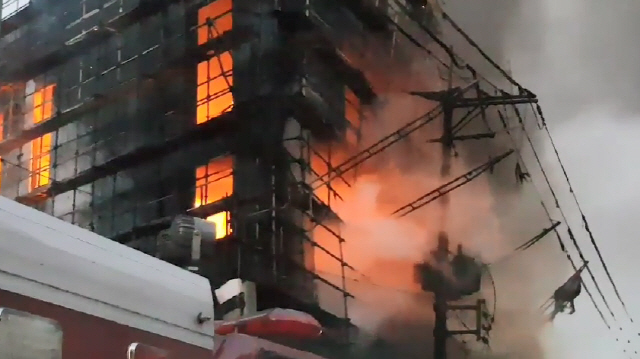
{"x":563,"y":248}
{"x":450,"y":186}
{"x":508,"y":77}
{"x":482,"y":53}
{"x":557,"y":203}
{"x":453,"y":60}
{"x":457,"y":28}
{"x":539,"y":110}
{"x":585,"y":222}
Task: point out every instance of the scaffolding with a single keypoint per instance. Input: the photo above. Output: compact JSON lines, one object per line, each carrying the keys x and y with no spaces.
{"x":144,"y":113}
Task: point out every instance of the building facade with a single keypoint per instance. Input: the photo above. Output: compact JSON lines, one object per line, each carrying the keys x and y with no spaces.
{"x":118,"y":115}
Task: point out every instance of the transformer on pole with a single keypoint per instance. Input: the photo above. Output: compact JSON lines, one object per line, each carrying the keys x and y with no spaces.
{"x":451,"y":277}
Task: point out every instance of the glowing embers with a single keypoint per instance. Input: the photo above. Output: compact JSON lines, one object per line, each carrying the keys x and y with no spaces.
{"x":215,"y":79}
{"x":40,"y":164}
{"x":219,"y":14}
{"x":353,"y":115}
{"x":214,"y":182}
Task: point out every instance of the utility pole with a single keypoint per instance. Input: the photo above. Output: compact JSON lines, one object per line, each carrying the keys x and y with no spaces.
{"x":441,"y":333}
{"x":447,"y":289}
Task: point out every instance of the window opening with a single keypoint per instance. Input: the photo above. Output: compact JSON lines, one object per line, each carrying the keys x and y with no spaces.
{"x":215,"y":76}
{"x":40,"y":164}
{"x":11,"y":7}
{"x":219,"y":15}
{"x":215,"y":80}
{"x":27,"y":336}
{"x":214,"y":182}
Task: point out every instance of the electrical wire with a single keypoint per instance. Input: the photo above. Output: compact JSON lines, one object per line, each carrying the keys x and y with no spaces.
{"x":554,"y":225}
{"x":512,"y":81}
{"x":429,"y":52}
{"x":483,"y":54}
{"x":557,"y":203}
{"x":539,"y":110}
{"x":506,"y":75}
{"x":584,"y":220}
{"x":563,"y":248}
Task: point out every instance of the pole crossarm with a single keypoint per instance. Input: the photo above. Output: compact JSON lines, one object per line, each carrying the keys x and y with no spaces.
{"x":477,"y":308}
{"x":495,"y":101}
{"x":445,"y":99}
{"x":477,"y":136}
{"x":450,"y":186}
{"x":377,"y":147}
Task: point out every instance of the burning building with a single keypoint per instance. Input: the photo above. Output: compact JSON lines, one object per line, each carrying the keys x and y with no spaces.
{"x":119,"y":115}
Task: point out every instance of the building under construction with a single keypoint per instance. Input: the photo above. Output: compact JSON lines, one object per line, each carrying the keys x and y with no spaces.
{"x":119,"y":115}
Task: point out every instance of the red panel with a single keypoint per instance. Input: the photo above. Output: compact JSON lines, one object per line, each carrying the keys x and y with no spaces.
{"x":86,"y":336}
{"x":276,"y":322}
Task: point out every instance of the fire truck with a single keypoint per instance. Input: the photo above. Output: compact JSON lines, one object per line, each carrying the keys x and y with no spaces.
{"x":68,"y":293}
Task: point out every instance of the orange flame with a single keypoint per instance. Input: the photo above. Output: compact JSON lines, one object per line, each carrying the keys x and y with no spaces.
{"x":40,"y":164}
{"x":214,"y":182}
{"x":220,"y":221}
{"x":214,"y":76}
{"x":214,"y":95}
{"x":220,"y":13}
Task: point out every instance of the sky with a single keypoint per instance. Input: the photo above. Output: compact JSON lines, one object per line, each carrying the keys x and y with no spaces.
{"x":581,"y":58}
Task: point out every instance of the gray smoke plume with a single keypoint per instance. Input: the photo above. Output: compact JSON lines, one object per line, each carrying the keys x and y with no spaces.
{"x":486,"y":216}
{"x":580,"y":58}
{"x":490,"y":216}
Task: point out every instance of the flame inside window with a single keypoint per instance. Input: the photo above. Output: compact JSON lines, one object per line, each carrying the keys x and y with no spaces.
{"x":214,"y":182}
{"x":215,"y":76}
{"x":220,"y":220}
{"x":219,"y":12}
{"x":40,"y":164}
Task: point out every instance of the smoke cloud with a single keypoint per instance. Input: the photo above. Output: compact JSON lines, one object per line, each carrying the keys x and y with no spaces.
{"x":580,"y":58}
{"x":577,"y":57}
{"x":490,"y":216}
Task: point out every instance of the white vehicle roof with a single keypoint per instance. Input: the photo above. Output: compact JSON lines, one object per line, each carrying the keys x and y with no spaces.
{"x":51,"y":260}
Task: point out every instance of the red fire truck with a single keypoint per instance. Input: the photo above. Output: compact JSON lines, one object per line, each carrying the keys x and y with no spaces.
{"x":68,"y":293}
